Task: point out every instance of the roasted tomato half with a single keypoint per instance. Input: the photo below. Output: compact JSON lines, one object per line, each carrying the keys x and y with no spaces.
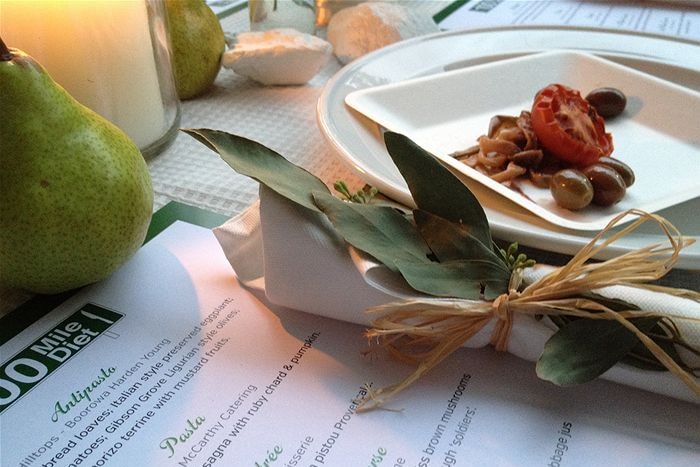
{"x":568,"y":127}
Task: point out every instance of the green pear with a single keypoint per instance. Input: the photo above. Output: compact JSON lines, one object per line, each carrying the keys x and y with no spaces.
{"x":198,"y":43}
{"x":75,"y":192}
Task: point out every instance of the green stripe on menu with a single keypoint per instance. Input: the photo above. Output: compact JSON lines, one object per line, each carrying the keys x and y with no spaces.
{"x":33,"y":309}
{"x":174,"y":211}
{"x":448,"y":10}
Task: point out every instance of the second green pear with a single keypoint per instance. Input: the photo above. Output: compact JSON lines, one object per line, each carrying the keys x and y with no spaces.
{"x":198,"y":43}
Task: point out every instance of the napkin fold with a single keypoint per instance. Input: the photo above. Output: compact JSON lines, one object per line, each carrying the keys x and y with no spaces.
{"x":300,"y":262}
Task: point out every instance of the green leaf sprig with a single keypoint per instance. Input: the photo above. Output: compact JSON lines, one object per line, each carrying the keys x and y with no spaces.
{"x":515,"y":260}
{"x":443,"y":248}
{"x":362,"y":196}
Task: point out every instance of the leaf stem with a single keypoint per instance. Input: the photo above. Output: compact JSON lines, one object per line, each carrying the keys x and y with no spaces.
{"x":363,"y":196}
{"x":5,"y":54}
{"x":513,"y":260}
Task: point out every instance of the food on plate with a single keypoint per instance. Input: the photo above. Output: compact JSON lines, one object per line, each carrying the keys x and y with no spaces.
{"x":560,"y":144}
{"x":608,"y":102}
{"x":608,"y":185}
{"x":567,"y":126}
{"x":621,"y":168}
{"x":571,"y":189}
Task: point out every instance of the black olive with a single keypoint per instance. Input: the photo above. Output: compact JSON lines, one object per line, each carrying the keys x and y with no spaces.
{"x":571,"y":189}
{"x":620,"y":167}
{"x":608,"y":185}
{"x":608,"y":102}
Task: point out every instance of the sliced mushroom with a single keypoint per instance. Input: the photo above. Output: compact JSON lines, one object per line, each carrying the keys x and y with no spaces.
{"x":529,"y":158}
{"x":500,"y":146}
{"x":492,"y":159}
{"x":524,"y":122}
{"x":470,"y":151}
{"x":471,"y":160}
{"x":499,"y":122}
{"x":512,"y":171}
{"x":540,"y":179}
{"x":506,"y":128}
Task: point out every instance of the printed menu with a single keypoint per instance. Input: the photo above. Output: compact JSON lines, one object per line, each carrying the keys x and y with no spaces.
{"x":677,"y":18}
{"x":171,"y":362}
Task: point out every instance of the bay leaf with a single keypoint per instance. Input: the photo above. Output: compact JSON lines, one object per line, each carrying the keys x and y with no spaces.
{"x":640,"y":357}
{"x":467,"y":279}
{"x":380,"y":231}
{"x":452,"y":241}
{"x":435,"y":189}
{"x":261,"y":163}
{"x":584,"y":349}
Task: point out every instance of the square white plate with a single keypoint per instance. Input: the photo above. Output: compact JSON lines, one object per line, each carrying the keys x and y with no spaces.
{"x":658,"y":135}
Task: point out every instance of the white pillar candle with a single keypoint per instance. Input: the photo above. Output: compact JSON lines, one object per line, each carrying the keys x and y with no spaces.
{"x":100,"y":51}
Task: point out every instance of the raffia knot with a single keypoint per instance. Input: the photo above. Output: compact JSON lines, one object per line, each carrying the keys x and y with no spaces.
{"x":565,"y":291}
{"x":504,"y":316}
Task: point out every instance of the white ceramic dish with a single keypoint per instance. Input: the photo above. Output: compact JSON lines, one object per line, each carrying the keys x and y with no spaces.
{"x":358,"y":142}
{"x":447,"y":112}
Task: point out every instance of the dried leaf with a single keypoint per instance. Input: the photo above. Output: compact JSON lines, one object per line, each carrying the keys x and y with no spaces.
{"x":380,"y":231}
{"x":435,"y":189}
{"x":260,"y":163}
{"x":452,"y":241}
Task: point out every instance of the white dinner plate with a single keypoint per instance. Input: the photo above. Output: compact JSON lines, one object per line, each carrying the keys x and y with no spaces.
{"x":357,"y":139}
{"x":446,"y":112}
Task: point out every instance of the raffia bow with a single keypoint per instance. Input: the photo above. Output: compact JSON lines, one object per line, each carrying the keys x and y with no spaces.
{"x":425,"y":332}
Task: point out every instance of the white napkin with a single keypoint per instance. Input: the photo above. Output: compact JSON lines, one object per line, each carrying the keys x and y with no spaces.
{"x":296,"y":257}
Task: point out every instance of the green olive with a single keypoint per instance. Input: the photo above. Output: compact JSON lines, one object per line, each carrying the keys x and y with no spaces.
{"x":608,"y":185}
{"x":620,"y":167}
{"x":571,"y":189}
{"x":608,"y":102}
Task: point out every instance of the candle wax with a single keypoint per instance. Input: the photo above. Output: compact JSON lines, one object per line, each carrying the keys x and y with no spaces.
{"x":100,"y":52}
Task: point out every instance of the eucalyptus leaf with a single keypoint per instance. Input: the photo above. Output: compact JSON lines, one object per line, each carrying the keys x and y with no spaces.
{"x":467,"y":279}
{"x":615,"y":304}
{"x":640,"y":357}
{"x":260,"y":163}
{"x":435,"y":189}
{"x":452,"y":241}
{"x":381,"y":231}
{"x":583,"y":349}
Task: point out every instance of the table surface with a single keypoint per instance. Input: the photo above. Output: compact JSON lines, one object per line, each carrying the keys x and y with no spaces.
{"x":281,"y":117}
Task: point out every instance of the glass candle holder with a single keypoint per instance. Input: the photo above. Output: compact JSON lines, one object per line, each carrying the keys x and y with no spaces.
{"x":113,"y":56}
{"x":273,"y":14}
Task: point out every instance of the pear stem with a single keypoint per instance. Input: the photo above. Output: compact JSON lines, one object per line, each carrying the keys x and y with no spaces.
{"x":5,"y":54}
